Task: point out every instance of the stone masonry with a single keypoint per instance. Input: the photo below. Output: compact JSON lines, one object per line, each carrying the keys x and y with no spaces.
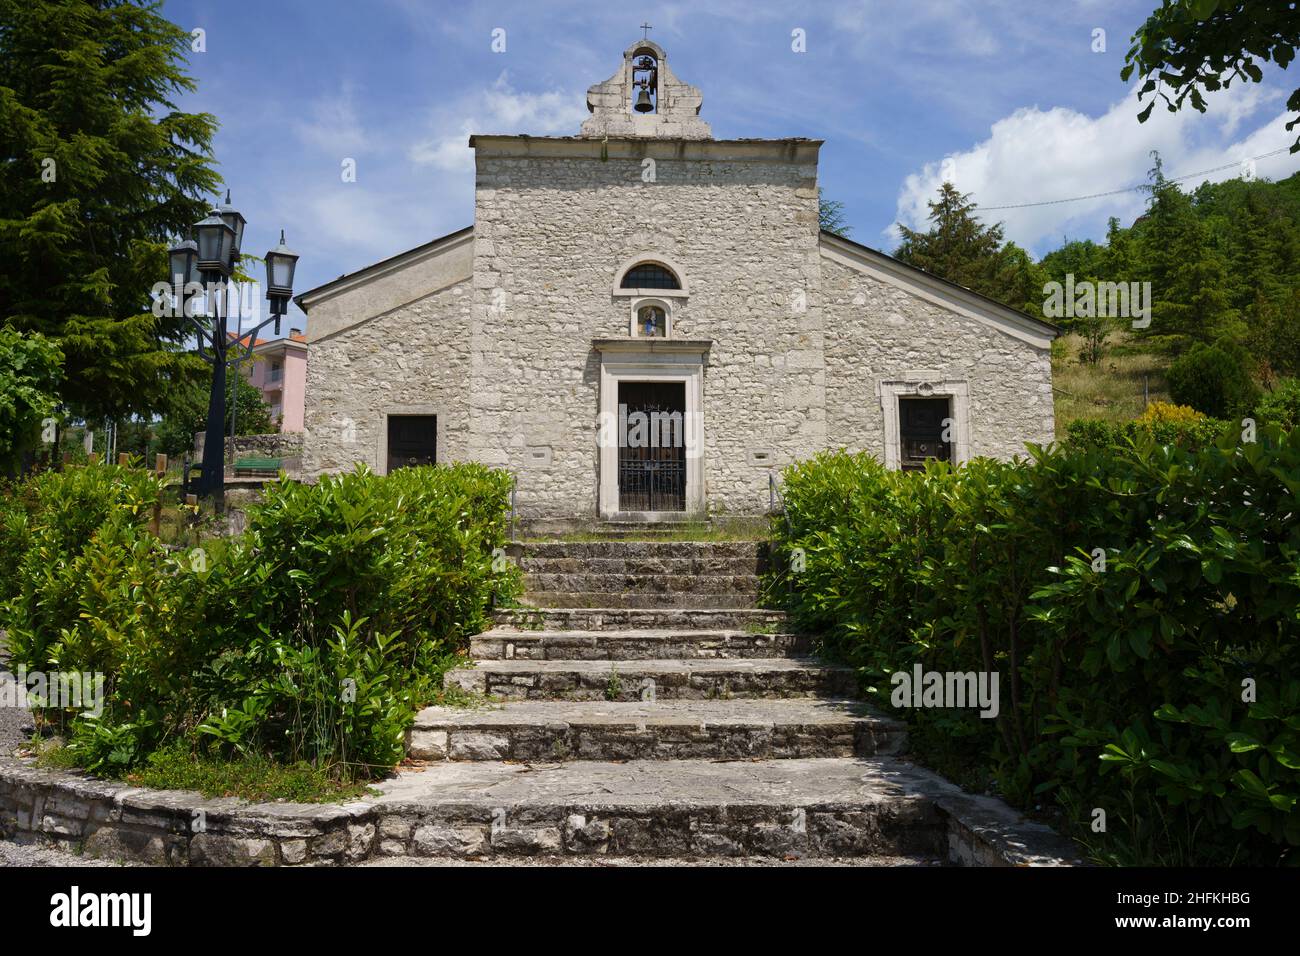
{"x":802,"y":340}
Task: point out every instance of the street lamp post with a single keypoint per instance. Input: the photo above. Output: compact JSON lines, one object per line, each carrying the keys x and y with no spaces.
{"x":212,"y":259}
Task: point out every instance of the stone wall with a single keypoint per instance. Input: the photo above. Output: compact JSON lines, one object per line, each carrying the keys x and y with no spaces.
{"x":277,"y":445}
{"x":552,"y":229}
{"x":877,"y":332}
{"x":412,"y":360}
{"x":115,"y":821}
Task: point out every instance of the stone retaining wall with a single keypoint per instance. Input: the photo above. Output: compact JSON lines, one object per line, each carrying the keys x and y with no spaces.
{"x":277,"y":445}
{"x":179,"y":828}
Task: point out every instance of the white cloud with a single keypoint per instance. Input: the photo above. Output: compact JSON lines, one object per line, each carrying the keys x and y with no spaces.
{"x":956,"y":27}
{"x":331,"y":123}
{"x":1035,"y":155}
{"x":498,"y":109}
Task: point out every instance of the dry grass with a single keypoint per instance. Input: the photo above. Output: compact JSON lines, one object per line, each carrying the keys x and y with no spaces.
{"x":1112,"y":389}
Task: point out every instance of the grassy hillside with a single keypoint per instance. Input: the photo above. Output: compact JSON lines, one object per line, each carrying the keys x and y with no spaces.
{"x":1113,"y":388}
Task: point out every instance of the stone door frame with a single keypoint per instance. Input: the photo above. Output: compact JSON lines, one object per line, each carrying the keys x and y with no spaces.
{"x":380,"y":466}
{"x":925,"y":385}
{"x":651,"y":360}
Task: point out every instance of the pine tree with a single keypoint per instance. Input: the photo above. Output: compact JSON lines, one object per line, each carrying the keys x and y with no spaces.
{"x":960,"y":248}
{"x":830,"y":215}
{"x":1189,"y":277}
{"x":99,"y":170}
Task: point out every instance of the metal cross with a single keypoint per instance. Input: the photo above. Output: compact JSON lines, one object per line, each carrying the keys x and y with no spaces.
{"x":647,"y":28}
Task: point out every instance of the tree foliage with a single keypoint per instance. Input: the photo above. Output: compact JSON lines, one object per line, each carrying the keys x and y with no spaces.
{"x":1122,"y":594}
{"x":99,"y":169}
{"x":1223,"y":261}
{"x":830,"y":215}
{"x":1189,"y":46}
{"x":29,"y":378}
{"x":1215,"y":379}
{"x":186,"y":412}
{"x":960,"y":248}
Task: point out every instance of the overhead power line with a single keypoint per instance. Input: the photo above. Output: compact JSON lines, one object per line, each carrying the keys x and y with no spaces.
{"x":1140,"y":186}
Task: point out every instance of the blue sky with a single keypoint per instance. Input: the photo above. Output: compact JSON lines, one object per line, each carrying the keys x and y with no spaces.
{"x":1005,"y":97}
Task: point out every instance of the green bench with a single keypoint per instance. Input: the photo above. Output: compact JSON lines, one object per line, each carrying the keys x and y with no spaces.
{"x":257,"y":467}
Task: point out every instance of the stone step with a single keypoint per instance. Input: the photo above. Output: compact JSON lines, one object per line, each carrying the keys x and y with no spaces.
{"x":703,"y":564}
{"x":654,"y":584}
{"x":690,"y":600}
{"x":662,"y":644}
{"x":664,"y":679}
{"x":672,"y":862}
{"x":606,"y":618}
{"x":665,"y":730}
{"x":636,"y":549}
{"x":644,"y":532}
{"x":828,"y":807}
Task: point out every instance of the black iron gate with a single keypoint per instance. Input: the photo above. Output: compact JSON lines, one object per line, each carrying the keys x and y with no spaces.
{"x":652,"y":450}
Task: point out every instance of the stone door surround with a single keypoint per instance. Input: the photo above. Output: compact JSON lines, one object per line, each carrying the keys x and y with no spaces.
{"x":651,"y":360}
{"x":925,"y":383}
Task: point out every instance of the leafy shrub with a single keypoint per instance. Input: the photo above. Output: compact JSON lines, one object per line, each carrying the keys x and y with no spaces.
{"x":1093,"y":432}
{"x":1162,"y":422}
{"x":1121,"y":683}
{"x":1214,"y":379}
{"x":1281,"y":405}
{"x":314,"y":636}
{"x":30,"y":371}
{"x":1167,"y":413}
{"x":46,"y":523}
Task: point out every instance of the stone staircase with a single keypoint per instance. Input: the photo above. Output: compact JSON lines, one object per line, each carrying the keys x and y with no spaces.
{"x":647,"y":709}
{"x":621,"y":573}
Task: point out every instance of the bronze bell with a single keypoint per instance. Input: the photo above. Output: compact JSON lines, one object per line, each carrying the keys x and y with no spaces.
{"x":643,"y":104}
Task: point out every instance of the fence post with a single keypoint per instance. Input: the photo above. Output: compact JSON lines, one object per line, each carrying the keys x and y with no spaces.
{"x":123,"y":458}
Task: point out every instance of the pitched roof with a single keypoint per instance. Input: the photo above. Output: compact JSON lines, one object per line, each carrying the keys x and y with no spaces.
{"x":380,"y":266}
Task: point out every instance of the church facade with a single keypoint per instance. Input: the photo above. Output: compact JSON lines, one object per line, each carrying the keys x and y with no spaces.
{"x":644,"y":321}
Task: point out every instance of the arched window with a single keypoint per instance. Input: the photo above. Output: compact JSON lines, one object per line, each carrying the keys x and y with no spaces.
{"x":650,"y":275}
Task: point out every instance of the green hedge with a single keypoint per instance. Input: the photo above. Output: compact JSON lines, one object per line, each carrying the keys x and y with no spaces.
{"x":1100,"y":433}
{"x":1281,"y":405}
{"x":313,"y":636}
{"x":1121,"y":689}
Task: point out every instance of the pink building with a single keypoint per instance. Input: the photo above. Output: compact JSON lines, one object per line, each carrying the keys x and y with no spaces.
{"x":278,"y":368}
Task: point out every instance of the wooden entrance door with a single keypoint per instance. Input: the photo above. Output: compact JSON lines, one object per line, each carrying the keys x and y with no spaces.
{"x":921,"y":427}
{"x":652,"y":446}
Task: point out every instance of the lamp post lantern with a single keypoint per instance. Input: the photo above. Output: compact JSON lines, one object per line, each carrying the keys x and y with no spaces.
{"x":211,"y":256}
{"x":280,"y":266}
{"x":184,"y":261}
